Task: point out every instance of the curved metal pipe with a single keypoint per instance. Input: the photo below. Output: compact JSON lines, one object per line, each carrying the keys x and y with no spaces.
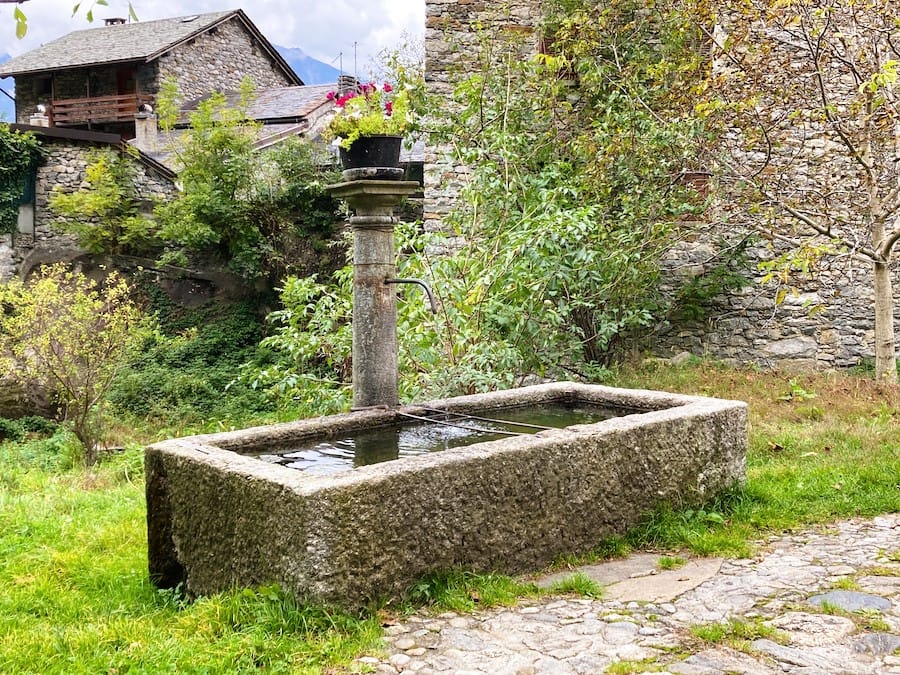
{"x":418,"y":282}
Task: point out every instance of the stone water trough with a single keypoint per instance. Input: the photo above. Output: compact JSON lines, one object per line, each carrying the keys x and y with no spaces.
{"x":220,"y":517}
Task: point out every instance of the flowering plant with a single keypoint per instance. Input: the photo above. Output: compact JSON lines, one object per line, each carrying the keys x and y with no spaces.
{"x":368,"y":110}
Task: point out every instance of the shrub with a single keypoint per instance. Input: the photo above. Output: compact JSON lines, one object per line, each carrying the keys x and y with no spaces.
{"x":71,"y":336}
{"x":184,"y":371}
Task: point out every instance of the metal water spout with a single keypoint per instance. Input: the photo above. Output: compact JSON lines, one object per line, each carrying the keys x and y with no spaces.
{"x":374,"y":300}
{"x":425,"y":287}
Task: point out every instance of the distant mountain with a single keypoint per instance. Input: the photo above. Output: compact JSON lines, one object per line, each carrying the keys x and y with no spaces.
{"x":7,"y":107}
{"x":310,"y":70}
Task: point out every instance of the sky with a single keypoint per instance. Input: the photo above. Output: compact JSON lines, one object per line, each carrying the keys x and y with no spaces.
{"x":324,"y":29}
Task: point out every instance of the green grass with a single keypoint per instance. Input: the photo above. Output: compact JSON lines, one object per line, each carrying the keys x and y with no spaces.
{"x":736,"y":633}
{"x":73,"y":568}
{"x":629,"y":667}
{"x":671,"y":562}
{"x":462,"y":591}
{"x":77,"y":598}
{"x":578,"y":584}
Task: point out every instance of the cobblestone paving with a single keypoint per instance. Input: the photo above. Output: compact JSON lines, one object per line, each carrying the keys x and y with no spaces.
{"x":832,"y":596}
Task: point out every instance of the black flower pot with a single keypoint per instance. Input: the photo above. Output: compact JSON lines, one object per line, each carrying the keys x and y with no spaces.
{"x":372,"y":151}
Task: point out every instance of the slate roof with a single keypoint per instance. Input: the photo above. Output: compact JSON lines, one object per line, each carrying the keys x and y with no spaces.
{"x":277,"y":104}
{"x":128,"y":42}
{"x":64,"y":134}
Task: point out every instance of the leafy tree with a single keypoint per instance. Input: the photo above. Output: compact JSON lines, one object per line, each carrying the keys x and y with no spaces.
{"x":105,"y":217}
{"x":236,"y":200}
{"x":574,"y":194}
{"x":19,"y":154}
{"x":70,"y":336}
{"x":807,"y":95}
{"x":213,"y":211}
{"x":259,"y":210}
{"x":572,"y":197}
{"x":312,"y":338}
{"x":295,"y":214}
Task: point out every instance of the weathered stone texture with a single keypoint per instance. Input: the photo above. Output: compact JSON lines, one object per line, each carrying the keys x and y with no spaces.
{"x":217,"y":61}
{"x":217,"y":519}
{"x":64,"y":169}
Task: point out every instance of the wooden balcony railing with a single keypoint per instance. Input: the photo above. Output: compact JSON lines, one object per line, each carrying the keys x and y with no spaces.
{"x":78,"y":111}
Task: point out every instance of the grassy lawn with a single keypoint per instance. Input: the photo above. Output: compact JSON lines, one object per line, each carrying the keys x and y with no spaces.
{"x":73,"y":569}
{"x":821,"y":447}
{"x":76,"y":597}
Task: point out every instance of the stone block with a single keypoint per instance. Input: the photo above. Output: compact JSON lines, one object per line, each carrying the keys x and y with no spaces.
{"x":219,"y":519}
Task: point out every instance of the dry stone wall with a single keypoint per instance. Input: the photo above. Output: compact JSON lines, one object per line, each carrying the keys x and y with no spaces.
{"x":64,"y":169}
{"x":828,"y":322}
{"x":217,"y":61}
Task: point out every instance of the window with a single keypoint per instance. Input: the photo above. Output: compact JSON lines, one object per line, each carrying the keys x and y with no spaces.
{"x":43,"y":87}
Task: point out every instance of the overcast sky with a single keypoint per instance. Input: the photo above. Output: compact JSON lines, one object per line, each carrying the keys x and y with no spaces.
{"x":322,"y":28}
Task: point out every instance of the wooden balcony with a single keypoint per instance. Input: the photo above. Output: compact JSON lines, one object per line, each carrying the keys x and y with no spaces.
{"x":95,"y":110}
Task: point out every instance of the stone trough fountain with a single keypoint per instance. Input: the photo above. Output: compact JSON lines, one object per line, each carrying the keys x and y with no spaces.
{"x":221,"y":514}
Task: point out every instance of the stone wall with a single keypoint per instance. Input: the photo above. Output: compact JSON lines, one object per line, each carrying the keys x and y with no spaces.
{"x":218,"y":60}
{"x":65,"y":169}
{"x":827,"y":318}
{"x":828,"y":323}
{"x":454,"y":32}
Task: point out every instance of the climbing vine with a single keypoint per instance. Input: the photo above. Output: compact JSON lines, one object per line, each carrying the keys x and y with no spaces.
{"x":19,"y":155}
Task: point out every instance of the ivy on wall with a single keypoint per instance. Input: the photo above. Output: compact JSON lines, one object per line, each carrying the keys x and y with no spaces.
{"x":20,"y":153}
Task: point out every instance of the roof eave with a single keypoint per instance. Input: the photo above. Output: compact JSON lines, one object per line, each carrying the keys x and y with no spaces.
{"x":56,"y":69}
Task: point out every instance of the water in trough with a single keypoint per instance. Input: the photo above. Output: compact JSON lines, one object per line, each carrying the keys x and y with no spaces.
{"x":442,"y":431}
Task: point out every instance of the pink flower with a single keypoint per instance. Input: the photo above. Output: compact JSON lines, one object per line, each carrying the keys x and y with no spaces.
{"x":389,"y":108}
{"x":387,"y":88}
{"x":330,"y":96}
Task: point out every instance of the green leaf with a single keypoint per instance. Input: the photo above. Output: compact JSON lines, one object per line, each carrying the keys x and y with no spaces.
{"x":21,"y":23}
{"x":131,"y":13}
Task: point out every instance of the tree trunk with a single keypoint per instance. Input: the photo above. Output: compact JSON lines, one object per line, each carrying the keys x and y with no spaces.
{"x":885,"y":345}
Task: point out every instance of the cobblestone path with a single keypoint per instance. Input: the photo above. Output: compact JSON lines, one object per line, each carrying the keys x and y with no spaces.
{"x":831,"y":595}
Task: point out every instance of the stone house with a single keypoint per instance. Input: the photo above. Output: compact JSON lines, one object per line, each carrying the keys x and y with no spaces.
{"x":745,"y":326}
{"x":98,"y":78}
{"x":96,"y":88}
{"x":67,"y":155}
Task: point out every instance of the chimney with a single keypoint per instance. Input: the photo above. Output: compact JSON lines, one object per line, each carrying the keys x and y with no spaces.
{"x":346,"y":84}
{"x":146,"y":133}
{"x":114,"y":21}
{"x":39,"y":117}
